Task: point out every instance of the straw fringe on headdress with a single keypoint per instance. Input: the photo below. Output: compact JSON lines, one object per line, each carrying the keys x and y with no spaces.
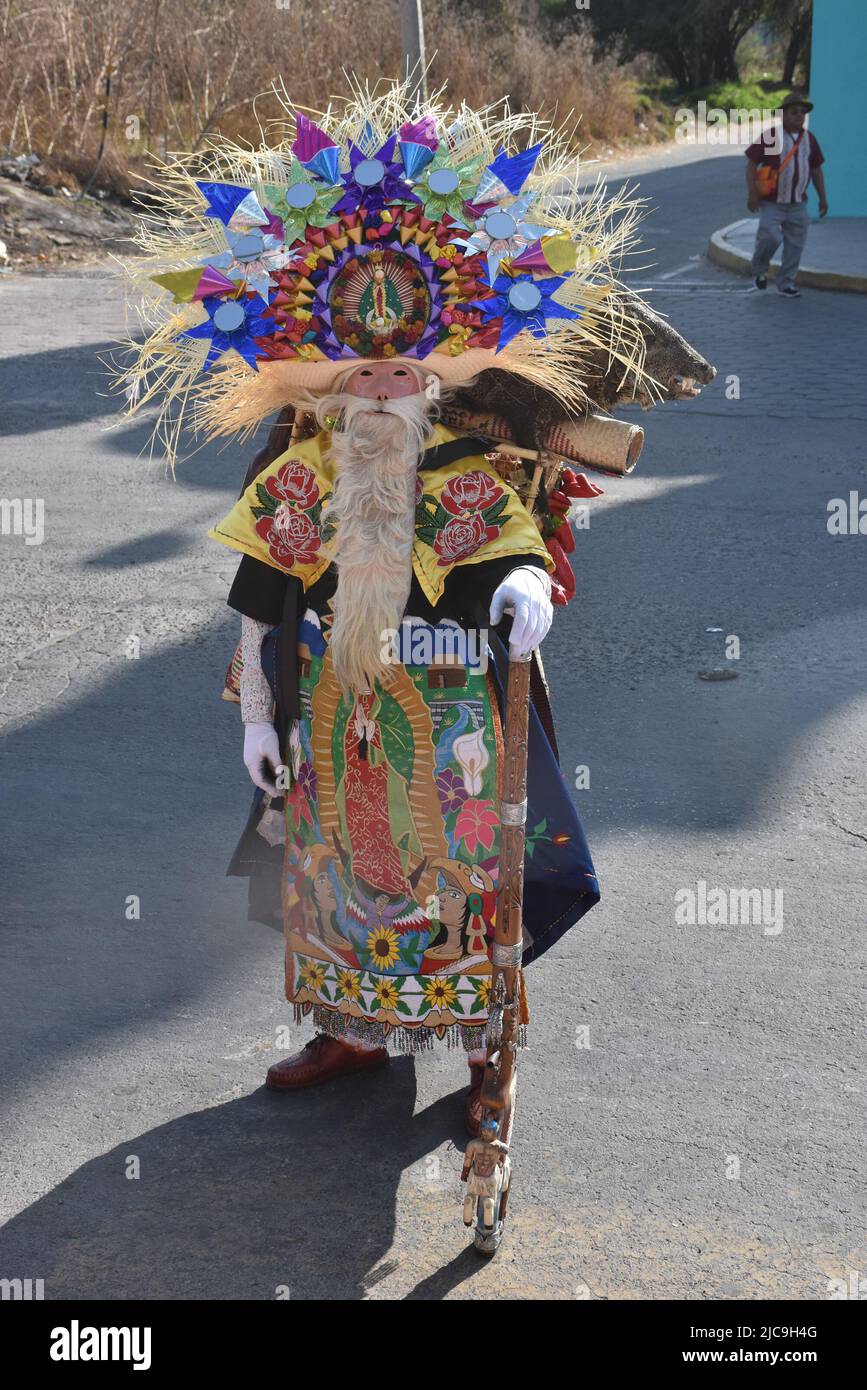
{"x":385,"y":228}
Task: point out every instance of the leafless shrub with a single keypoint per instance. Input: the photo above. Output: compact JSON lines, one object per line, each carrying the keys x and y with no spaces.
{"x":180,"y":69}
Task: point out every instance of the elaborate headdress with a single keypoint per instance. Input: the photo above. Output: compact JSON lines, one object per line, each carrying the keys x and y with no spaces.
{"x":384,"y":228}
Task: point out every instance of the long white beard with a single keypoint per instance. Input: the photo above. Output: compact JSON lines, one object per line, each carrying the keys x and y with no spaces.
{"x":376,"y":453}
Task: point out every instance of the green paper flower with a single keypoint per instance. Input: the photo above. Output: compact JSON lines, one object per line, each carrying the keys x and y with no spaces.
{"x":444,"y":187}
{"x":302,"y":202}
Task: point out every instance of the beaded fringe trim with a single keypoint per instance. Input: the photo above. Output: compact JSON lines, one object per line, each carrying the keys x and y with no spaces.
{"x":408,"y":1040}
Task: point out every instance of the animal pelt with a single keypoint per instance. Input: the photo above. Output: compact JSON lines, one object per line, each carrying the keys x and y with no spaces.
{"x":678,"y":370}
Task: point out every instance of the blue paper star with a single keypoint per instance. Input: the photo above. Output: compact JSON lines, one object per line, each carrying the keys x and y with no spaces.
{"x":506,"y":174}
{"x":232,"y":323}
{"x":524,"y":302}
{"x":226,"y":200}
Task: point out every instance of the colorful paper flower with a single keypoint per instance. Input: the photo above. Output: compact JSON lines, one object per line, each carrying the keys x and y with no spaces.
{"x":445,"y":187}
{"x":303,"y":201}
{"x":503,"y":233}
{"x":374,"y":180}
{"x":232,"y":323}
{"x":524,"y":303}
{"x":253,"y":256}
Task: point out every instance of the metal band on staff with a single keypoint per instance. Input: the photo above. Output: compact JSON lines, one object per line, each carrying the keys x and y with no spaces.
{"x":508,"y":956}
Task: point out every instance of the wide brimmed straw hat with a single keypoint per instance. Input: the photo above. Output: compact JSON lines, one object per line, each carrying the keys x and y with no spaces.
{"x":386,"y":228}
{"x":292,"y":380}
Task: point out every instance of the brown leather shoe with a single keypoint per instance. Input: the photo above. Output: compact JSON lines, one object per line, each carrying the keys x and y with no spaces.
{"x":322,"y":1059}
{"x":473,"y":1107}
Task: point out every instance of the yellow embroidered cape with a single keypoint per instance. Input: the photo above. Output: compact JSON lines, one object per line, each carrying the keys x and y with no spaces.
{"x":465,"y":514}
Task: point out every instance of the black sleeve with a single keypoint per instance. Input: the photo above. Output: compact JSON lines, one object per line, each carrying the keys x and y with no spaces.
{"x":258,"y":591}
{"x":470,"y":588}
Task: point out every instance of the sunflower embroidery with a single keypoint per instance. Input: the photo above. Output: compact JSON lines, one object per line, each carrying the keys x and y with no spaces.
{"x":387,"y":994}
{"x":383,"y":947}
{"x":348,"y":985}
{"x":312,"y":974}
{"x":440,"y":991}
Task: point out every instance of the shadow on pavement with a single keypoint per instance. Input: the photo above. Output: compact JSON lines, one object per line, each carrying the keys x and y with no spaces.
{"x":264,"y":1193}
{"x":145,"y":550}
{"x":57,"y":387}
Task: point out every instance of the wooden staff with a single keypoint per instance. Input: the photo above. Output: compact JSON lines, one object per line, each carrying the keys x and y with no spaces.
{"x":487,"y":1167}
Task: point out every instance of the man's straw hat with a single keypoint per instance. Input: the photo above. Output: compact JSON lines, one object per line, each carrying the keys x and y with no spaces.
{"x":796,"y":98}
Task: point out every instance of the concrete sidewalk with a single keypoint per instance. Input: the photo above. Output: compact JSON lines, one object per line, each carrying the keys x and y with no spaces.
{"x":835,"y":257}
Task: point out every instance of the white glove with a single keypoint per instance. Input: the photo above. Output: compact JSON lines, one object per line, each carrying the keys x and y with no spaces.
{"x":261,"y":745}
{"x":527,"y":592}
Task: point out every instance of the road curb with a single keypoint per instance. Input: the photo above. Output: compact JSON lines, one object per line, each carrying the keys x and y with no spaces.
{"x":722,"y":252}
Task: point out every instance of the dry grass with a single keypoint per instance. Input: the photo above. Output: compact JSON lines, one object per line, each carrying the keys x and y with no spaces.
{"x":184,"y":69}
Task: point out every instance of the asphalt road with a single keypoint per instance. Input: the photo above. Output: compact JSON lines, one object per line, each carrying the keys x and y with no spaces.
{"x":708,"y":1143}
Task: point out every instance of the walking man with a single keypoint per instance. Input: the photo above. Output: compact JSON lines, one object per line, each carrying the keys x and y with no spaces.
{"x":780,"y":165}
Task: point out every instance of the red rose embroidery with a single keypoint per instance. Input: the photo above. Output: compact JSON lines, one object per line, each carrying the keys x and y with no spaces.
{"x":291,"y":537}
{"x":462,"y":536}
{"x":294,"y":482}
{"x":419,"y":489}
{"x":470,"y":492}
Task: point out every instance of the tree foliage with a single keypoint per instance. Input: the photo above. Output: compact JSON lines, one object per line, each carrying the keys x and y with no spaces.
{"x":696,"y":42}
{"x":790,"y":21}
